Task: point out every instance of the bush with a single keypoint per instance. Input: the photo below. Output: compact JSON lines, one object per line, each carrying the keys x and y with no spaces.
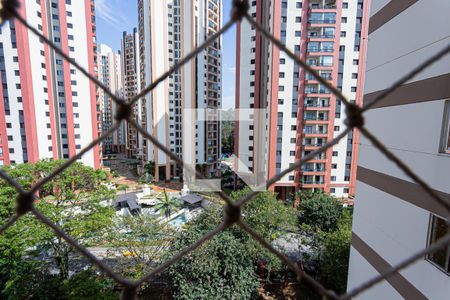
{"x":319,"y":210}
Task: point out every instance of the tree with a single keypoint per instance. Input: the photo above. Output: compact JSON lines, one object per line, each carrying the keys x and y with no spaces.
{"x":75,"y":200}
{"x":219,"y":269}
{"x":271,"y":218}
{"x":334,"y":257}
{"x":266,"y":214}
{"x":167,"y":204}
{"x":319,"y":210}
{"x":143,"y":239}
{"x":225,"y":266}
{"x":228,"y":131}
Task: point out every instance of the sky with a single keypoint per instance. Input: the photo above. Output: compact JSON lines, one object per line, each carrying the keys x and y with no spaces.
{"x":113,"y":17}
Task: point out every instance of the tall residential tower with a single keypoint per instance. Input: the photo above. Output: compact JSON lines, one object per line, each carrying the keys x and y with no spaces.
{"x":110,"y":73}
{"x":169,"y":30}
{"x":131,"y":86}
{"x":48,"y":108}
{"x":301,"y":114}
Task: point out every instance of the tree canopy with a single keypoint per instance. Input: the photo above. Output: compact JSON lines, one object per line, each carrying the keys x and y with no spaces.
{"x":76,"y":200}
{"x":319,"y":210}
{"x":225,"y":266}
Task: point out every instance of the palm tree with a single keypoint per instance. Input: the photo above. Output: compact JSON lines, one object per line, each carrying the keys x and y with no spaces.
{"x":167,"y":204}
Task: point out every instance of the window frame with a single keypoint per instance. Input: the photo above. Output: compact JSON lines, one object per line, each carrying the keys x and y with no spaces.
{"x":430,"y":240}
{"x":444,"y":146}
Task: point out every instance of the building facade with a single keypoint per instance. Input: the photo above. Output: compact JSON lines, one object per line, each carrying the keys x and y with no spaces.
{"x":301,"y":114}
{"x":48,"y":108}
{"x":394,"y":218}
{"x":169,"y":30}
{"x":110,"y":73}
{"x":131,"y":85}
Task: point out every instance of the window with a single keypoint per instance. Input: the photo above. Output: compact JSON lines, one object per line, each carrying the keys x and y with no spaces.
{"x":334,"y":166}
{"x":297,"y":33}
{"x":333,"y":178}
{"x":346,"y":190}
{"x":356,"y":62}
{"x":332,"y":190}
{"x":354,"y":75}
{"x":445,"y":140}
{"x":282,"y":61}
{"x":344,"y":5}
{"x":344,"y":20}
{"x":298,"y":19}
{"x":353,"y":89}
{"x":343,"y":33}
{"x":298,"y":5}
{"x":292,"y":153}
{"x":438,"y":228}
{"x":335,"y":153}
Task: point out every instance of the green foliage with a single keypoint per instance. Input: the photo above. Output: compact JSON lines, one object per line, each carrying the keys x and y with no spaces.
{"x":334,"y":258}
{"x":87,"y":285}
{"x":33,"y":283}
{"x":150,"y":168}
{"x":232,"y":255}
{"x":123,"y":187}
{"x":266,"y":214}
{"x":222,"y":268}
{"x":146,"y":178}
{"x":167,"y":204}
{"x":144,"y":239}
{"x":75,"y":200}
{"x":319,"y":210}
{"x":218,"y":270}
{"x":228,"y":132}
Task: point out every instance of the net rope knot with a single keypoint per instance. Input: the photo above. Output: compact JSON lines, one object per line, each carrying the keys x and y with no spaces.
{"x":24,"y":203}
{"x":232,"y":214}
{"x":124,"y":111}
{"x":240,"y":8}
{"x":8,"y":8}
{"x":355,"y":116}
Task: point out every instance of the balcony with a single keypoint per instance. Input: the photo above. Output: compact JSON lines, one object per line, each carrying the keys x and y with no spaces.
{"x":322,"y":4}
{"x":326,"y":76}
{"x":320,"y":49}
{"x":312,"y":182}
{"x":315,"y":131}
{"x":314,"y":35}
{"x":316,"y":102}
{"x":316,"y":118}
{"x":322,"y":21}
{"x":317,"y":91}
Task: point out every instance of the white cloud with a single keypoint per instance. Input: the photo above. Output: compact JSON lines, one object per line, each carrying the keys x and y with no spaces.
{"x":111,"y":13}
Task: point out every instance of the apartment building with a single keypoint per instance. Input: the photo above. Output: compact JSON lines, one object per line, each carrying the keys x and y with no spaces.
{"x":110,"y":73}
{"x":302,"y":114}
{"x":131,"y":86}
{"x":169,"y":30}
{"x":48,"y":108}
{"x":393,"y":217}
